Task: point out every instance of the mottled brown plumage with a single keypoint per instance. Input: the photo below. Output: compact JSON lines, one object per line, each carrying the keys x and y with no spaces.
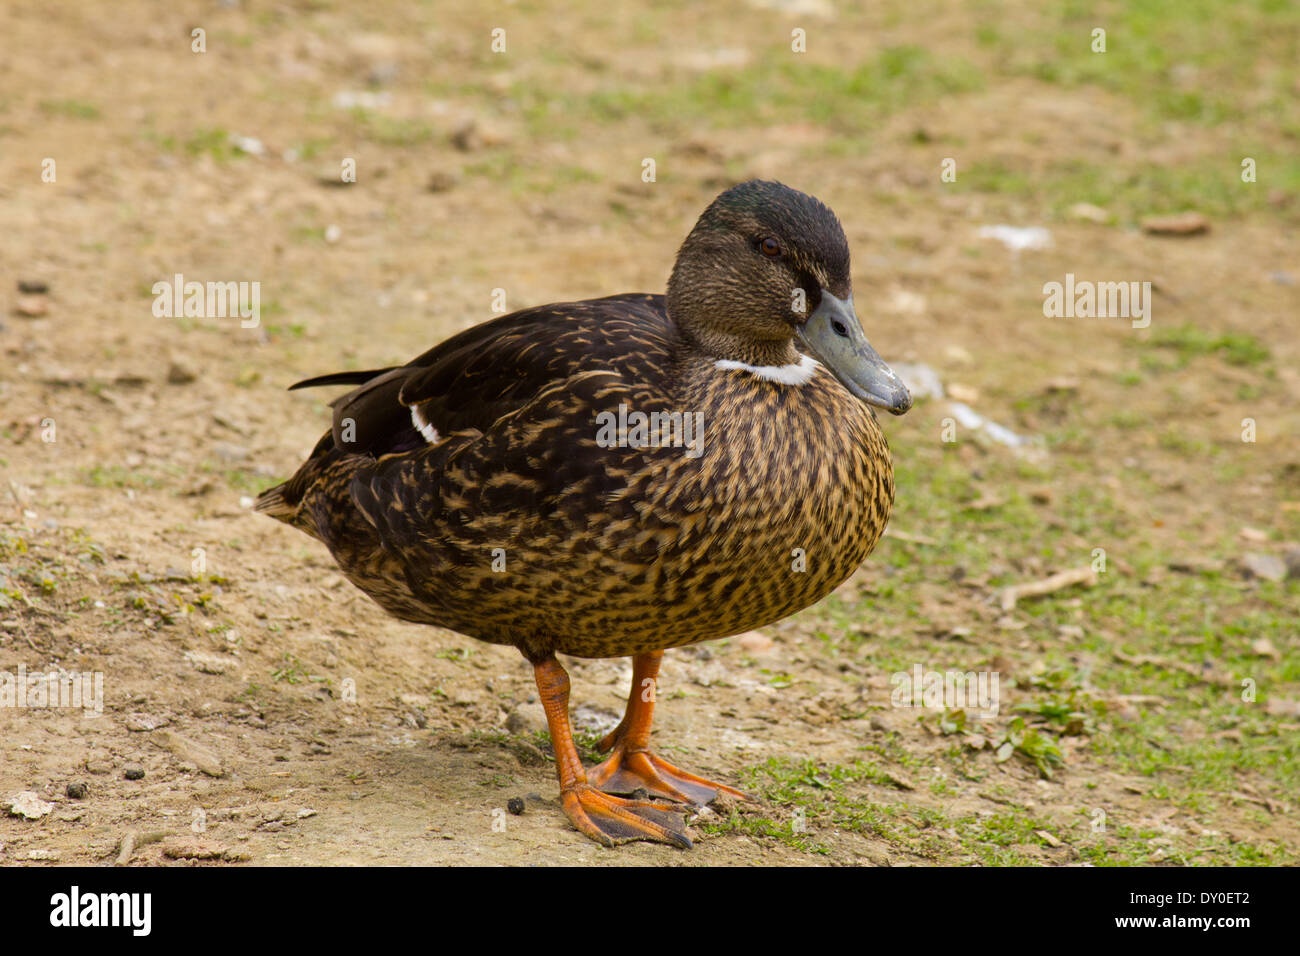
{"x":517,"y":524}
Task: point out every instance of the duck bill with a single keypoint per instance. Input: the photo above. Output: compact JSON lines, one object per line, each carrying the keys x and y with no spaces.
{"x":834,"y":336}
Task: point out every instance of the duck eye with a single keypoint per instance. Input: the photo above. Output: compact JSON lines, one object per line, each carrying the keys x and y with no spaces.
{"x":769,"y":247}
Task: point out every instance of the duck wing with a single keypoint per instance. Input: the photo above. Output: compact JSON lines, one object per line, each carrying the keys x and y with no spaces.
{"x":469,"y":382}
{"x":488,"y":371}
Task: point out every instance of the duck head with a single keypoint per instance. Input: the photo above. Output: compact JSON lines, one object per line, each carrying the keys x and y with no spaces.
{"x":763,"y":276}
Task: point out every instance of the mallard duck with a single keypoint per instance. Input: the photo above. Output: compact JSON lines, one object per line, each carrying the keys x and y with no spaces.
{"x":619,"y":476}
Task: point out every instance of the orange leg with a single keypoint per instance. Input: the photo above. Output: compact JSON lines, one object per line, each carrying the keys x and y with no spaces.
{"x":632,"y":766}
{"x":606,"y":819}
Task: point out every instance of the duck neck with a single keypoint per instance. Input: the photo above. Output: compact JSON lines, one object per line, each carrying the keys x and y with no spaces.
{"x":718,"y":344}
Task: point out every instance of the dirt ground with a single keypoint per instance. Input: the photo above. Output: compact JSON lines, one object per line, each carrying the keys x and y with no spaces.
{"x":280,"y":718}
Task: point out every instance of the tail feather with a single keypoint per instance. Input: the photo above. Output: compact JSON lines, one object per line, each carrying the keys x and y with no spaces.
{"x":273,"y":502}
{"x":284,"y":500}
{"x":340,"y":378}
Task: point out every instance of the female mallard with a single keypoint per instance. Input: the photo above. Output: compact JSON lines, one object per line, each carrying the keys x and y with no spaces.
{"x":622,"y":475}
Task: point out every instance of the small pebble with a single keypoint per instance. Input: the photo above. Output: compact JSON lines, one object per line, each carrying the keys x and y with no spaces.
{"x":525,"y":720}
{"x":1183,"y":224}
{"x":27,"y":804}
{"x":1087,"y":212}
{"x":32,"y":306}
{"x":381,"y":74}
{"x":181,"y":372}
{"x":247,"y":144}
{"x":1292,"y":561}
{"x":134,"y":773}
{"x":1267,"y":567}
{"x":441,"y":181}
{"x":756,"y":643}
{"x":515,"y":805}
{"x":77,"y":791}
{"x":228,"y":452}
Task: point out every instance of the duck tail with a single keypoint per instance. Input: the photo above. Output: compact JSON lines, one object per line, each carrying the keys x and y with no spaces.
{"x":284,"y":501}
{"x":274,"y":503}
{"x":316,"y":499}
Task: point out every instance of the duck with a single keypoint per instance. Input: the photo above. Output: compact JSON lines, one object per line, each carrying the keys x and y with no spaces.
{"x":621,"y":476}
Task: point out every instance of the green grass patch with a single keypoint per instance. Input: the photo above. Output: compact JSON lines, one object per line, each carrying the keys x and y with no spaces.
{"x":74,"y":109}
{"x":1131,"y":191}
{"x":1189,"y":341}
